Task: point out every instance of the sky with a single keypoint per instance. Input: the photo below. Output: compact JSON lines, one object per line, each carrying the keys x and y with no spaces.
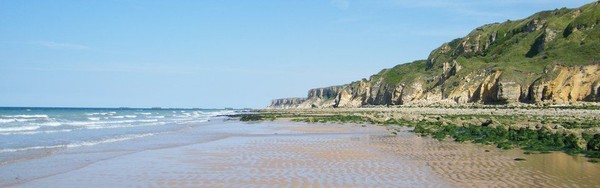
{"x":216,"y":54}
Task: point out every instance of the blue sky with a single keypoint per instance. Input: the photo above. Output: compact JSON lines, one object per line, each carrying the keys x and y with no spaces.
{"x":215,"y":54}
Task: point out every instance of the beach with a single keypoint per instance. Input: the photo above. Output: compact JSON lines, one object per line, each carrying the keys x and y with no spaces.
{"x":228,"y":153}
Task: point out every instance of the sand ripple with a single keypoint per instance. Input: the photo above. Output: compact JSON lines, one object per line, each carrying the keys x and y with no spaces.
{"x":328,"y":155}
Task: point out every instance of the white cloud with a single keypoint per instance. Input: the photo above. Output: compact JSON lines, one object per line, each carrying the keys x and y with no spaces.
{"x":62,"y":45}
{"x":479,"y":8}
{"x":467,"y":8}
{"x":341,"y":4}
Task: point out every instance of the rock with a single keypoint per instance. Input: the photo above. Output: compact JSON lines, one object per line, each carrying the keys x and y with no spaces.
{"x":486,"y":122}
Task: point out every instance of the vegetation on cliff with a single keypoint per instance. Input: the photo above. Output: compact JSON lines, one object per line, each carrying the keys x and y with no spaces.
{"x":522,"y":51}
{"x":551,"y":57}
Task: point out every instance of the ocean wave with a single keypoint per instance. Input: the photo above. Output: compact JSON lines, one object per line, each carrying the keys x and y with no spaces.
{"x":118,"y":117}
{"x":35,"y":132}
{"x":21,"y":128}
{"x":51,"y":124}
{"x":7,"y":120}
{"x":27,"y":116}
{"x":147,"y":120}
{"x":158,"y":117}
{"x":93,"y":118}
{"x":78,"y":144}
{"x":82,"y":123}
{"x":220,"y":113}
{"x":130,"y":116}
{"x":100,"y":113}
{"x":123,"y":125}
{"x":100,"y":123}
{"x":191,"y":121}
{"x":144,"y":113}
{"x":15,"y":120}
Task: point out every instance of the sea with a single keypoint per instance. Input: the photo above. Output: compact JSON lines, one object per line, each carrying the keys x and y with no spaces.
{"x":25,"y":132}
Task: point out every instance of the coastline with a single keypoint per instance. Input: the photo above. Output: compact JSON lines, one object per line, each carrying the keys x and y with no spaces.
{"x":227,"y":153}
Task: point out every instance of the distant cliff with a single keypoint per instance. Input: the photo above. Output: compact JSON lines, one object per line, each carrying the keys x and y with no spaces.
{"x":287,"y":102}
{"x":551,"y":57}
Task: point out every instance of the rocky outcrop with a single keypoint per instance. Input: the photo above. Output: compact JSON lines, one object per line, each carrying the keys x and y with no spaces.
{"x":566,"y":85}
{"x":321,"y":97}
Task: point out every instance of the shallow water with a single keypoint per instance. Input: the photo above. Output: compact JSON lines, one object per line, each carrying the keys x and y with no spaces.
{"x":34,"y":132}
{"x":277,"y":154}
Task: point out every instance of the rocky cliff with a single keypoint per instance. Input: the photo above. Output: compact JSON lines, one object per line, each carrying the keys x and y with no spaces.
{"x":287,"y":103}
{"x":551,"y":57}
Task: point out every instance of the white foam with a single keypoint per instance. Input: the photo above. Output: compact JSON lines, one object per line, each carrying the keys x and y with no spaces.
{"x":118,"y":117}
{"x":36,"y":132}
{"x":27,"y":116}
{"x":79,"y":144}
{"x":7,"y":120}
{"x":144,"y":113}
{"x":100,"y":113}
{"x":130,"y":116}
{"x":51,"y":124}
{"x":103,"y":124}
{"x":21,"y":128}
{"x":93,"y":118}
{"x":147,"y":120}
{"x":82,"y":123}
{"x":123,"y":125}
{"x":24,"y":120}
{"x":191,"y":121}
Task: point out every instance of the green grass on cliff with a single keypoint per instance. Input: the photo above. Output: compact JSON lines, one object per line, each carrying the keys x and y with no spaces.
{"x":562,"y":36}
{"x":403,"y":73}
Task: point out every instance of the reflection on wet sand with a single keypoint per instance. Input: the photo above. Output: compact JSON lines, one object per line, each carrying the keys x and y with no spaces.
{"x":331,"y":155}
{"x":465,"y":164}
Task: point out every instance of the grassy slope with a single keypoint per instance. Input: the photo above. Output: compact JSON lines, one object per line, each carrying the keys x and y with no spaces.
{"x":516,"y":49}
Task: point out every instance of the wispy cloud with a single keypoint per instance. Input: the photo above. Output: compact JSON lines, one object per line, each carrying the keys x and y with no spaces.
{"x":341,"y":4}
{"x":467,"y":8}
{"x":61,"y":45}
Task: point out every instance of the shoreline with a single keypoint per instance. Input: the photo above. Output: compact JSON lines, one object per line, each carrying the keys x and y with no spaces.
{"x":286,"y":153}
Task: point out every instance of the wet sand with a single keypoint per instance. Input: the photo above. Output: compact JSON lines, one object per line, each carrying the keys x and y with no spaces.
{"x":277,"y":154}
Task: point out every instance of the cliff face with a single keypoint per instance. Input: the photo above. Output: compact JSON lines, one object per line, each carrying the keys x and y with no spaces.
{"x":562,"y":85}
{"x":549,"y":57}
{"x":571,"y":84}
{"x":286,"y":103}
{"x":321,"y":97}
